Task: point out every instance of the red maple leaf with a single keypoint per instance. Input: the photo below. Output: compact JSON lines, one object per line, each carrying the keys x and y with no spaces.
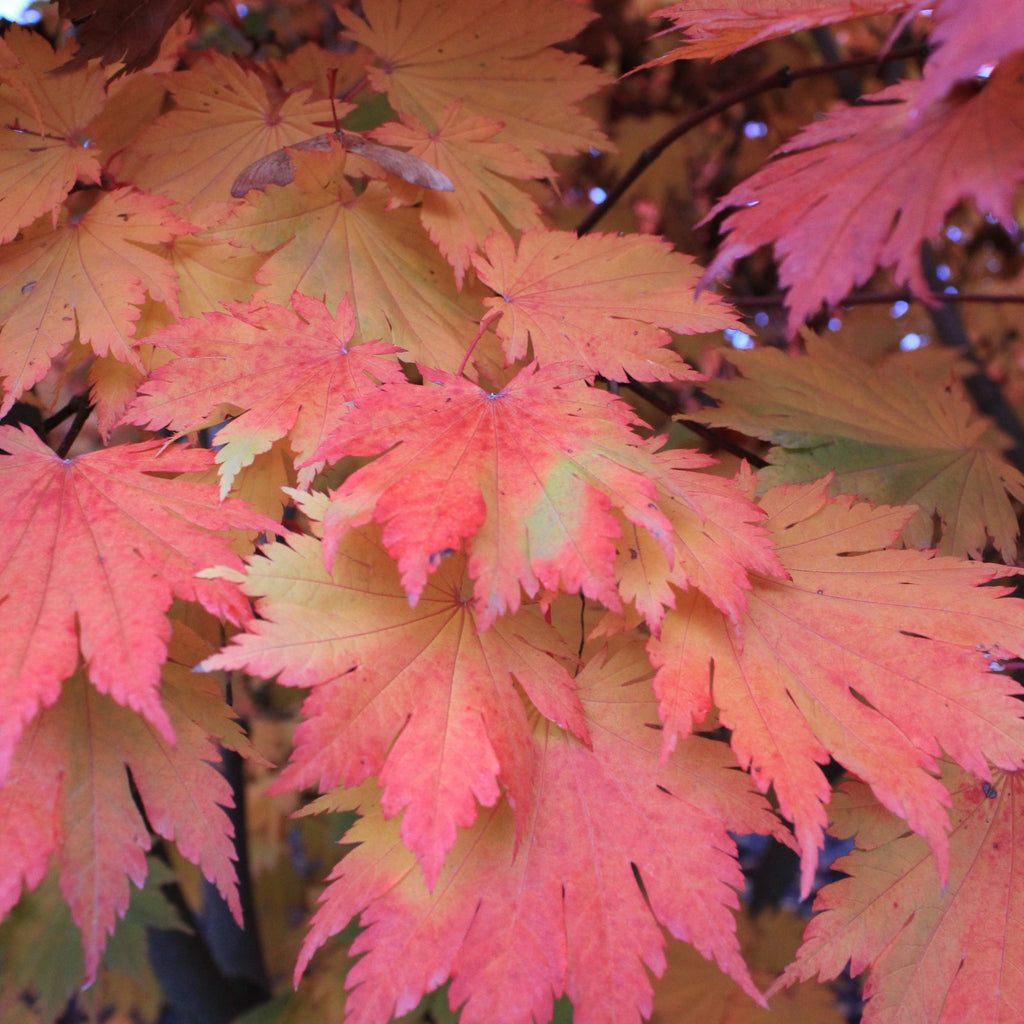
{"x":68,"y":795}
{"x":92,"y":551}
{"x":878,"y":658}
{"x":517,"y":924}
{"x":534,"y":478}
{"x":937,"y":952}
{"x":865,"y":185}
{"x":416,"y":695}
{"x":229,"y":357}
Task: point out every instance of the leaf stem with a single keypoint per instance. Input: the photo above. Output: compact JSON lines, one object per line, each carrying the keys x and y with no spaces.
{"x":779,"y":79}
{"x":484,"y":322}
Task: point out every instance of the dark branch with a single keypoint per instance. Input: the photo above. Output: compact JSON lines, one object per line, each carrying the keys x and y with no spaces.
{"x":779,"y":79}
{"x":775,"y":299}
{"x":82,"y":413}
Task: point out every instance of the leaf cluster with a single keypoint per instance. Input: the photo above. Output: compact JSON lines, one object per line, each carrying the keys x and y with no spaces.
{"x":389,"y":476}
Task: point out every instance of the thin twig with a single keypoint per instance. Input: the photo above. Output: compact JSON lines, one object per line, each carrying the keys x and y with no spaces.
{"x":779,"y":79}
{"x":775,"y":299}
{"x":712,"y":434}
{"x":69,"y":409}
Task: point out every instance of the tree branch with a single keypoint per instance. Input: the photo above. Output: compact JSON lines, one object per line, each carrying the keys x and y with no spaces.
{"x":776,"y":299}
{"x":779,"y":79}
{"x":987,"y":395}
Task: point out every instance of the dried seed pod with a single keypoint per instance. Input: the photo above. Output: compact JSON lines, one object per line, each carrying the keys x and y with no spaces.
{"x":277,"y":169}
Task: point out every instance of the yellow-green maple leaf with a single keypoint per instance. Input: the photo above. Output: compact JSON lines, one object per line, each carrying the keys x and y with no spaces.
{"x":885,"y":433}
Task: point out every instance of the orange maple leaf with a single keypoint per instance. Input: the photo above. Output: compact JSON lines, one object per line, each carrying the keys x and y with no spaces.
{"x":938,"y":953}
{"x":230,"y":357}
{"x":599,"y":300}
{"x":517,"y":924}
{"x":466,"y":149}
{"x":716,"y":539}
{"x":416,"y":695}
{"x":878,"y":658}
{"x":327,"y":243}
{"x":494,"y":58}
{"x":92,"y":551}
{"x":86,"y":278}
{"x":225,"y":117}
{"x":864,"y":186}
{"x":43,"y":126}
{"x":67,"y":794}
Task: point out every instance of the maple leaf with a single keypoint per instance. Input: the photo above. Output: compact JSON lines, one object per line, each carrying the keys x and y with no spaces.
{"x":886,"y":435}
{"x":225,"y":117}
{"x":211,"y":273}
{"x":877,"y":658}
{"x":327,"y":243}
{"x":720,"y":28}
{"x":966,"y":43}
{"x":942,"y":953}
{"x":516,"y":924}
{"x":67,"y":794}
{"x":229,"y":357}
{"x":865,"y":185}
{"x":92,"y":551}
{"x":528,"y":475}
{"x":86,"y":278}
{"x":716,"y":538}
{"x":599,"y":301}
{"x":492,"y":57}
{"x":464,"y":147}
{"x":43,"y":125}
{"x":415,"y":695}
